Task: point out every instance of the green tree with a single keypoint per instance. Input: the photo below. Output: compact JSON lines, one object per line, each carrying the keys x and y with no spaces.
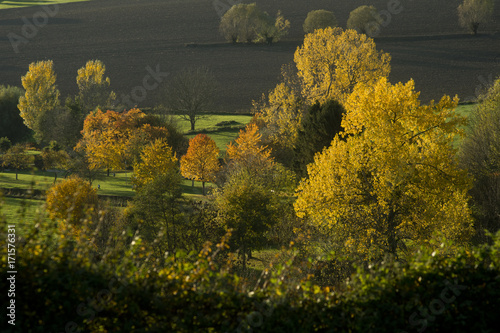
{"x":41,"y":96}
{"x":480,"y":155}
{"x":365,"y":20}
{"x":320,"y":125}
{"x":191,"y":94}
{"x":472,"y":13}
{"x":331,"y":62}
{"x":319,"y":19}
{"x":393,"y":181}
{"x":5,"y":144}
{"x":11,"y":123}
{"x":247,"y":23}
{"x":54,"y":158}
{"x":17,"y":158}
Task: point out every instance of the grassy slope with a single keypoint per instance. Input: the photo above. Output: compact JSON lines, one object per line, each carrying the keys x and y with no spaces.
{"x":20,"y":3}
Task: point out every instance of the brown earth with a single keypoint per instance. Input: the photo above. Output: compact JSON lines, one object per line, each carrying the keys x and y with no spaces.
{"x":424,"y":40}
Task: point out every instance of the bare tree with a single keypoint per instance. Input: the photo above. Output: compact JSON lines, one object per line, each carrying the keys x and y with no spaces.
{"x":191,"y":93}
{"x":471,"y":13}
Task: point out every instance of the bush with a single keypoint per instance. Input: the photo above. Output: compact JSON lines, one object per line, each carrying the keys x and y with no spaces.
{"x":5,"y":144}
{"x":11,"y":124}
{"x":319,"y":19}
{"x":365,"y":20}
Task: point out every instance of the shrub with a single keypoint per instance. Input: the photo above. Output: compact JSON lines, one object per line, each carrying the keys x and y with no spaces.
{"x":319,"y":19}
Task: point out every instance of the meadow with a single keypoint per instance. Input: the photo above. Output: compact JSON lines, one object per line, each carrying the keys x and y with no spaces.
{"x":22,"y":3}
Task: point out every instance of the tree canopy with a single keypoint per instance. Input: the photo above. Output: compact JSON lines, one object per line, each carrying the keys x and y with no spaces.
{"x":393,"y":179}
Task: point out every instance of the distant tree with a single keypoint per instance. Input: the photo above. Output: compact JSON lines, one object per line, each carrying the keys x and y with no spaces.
{"x":332,"y":61}
{"x":480,"y":155}
{"x":11,"y":122}
{"x":201,"y":161}
{"x":17,"y":158}
{"x":319,"y":19}
{"x":70,"y":200}
{"x":365,"y":20}
{"x":54,"y":158}
{"x":191,"y":93}
{"x":247,"y":23}
{"x":5,"y":144}
{"x":94,"y":88}
{"x":272,"y":30}
{"x":393,"y":182}
{"x":41,"y":96}
{"x":320,"y":125}
{"x":472,"y":13}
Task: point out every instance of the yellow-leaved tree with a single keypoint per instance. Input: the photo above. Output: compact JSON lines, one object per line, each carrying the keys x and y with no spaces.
{"x":94,"y":88}
{"x":70,"y":201}
{"x":248,"y":148}
{"x":201,"y":161}
{"x":332,"y":61}
{"x":41,"y":96}
{"x":390,"y":179}
{"x":156,"y":159}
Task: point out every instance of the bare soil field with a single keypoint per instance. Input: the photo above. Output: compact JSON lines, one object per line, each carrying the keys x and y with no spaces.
{"x":136,"y":37}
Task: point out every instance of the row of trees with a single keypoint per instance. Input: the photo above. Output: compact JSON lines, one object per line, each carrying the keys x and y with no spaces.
{"x":247,"y":23}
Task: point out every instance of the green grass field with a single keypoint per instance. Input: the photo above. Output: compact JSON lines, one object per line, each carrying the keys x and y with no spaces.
{"x":222,"y":134}
{"x":26,"y":3}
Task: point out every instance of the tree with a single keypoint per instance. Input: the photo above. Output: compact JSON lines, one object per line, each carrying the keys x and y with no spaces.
{"x":17,"y":158}
{"x":54,"y":158}
{"x":248,"y":150}
{"x":472,"y":13}
{"x":393,"y":181}
{"x":480,"y":155}
{"x":94,"y":89}
{"x":201,"y":161}
{"x":270,"y":30}
{"x":319,"y":127}
{"x":41,"y":96}
{"x":157,"y":158}
{"x":114,"y":140}
{"x":331,"y":62}
{"x":241,"y":23}
{"x":191,"y":93}
{"x":319,"y":19}
{"x":11,"y":123}
{"x":5,"y":144}
{"x":282,"y":113}
{"x":365,"y":20}
{"x":157,"y":182}
{"x":248,"y":23}
{"x":70,"y":201}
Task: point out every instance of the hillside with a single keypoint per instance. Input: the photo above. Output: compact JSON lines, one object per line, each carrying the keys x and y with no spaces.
{"x":130,"y":36}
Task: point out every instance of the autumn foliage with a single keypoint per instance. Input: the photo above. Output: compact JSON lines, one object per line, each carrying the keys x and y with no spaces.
{"x":201,"y":161}
{"x":70,"y":200}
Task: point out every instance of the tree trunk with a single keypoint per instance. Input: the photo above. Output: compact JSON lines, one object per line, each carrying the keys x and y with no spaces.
{"x":55,"y":177}
{"x":203,"y":185}
{"x":108,"y":172}
{"x":192,"y":121}
{"x":16,"y":174}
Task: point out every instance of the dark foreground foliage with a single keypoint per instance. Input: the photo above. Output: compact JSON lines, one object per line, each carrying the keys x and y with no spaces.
{"x":64,"y":285}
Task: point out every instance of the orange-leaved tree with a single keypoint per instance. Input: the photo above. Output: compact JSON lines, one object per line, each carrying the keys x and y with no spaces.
{"x":248,"y":148}
{"x":201,"y":161}
{"x":114,"y":140}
